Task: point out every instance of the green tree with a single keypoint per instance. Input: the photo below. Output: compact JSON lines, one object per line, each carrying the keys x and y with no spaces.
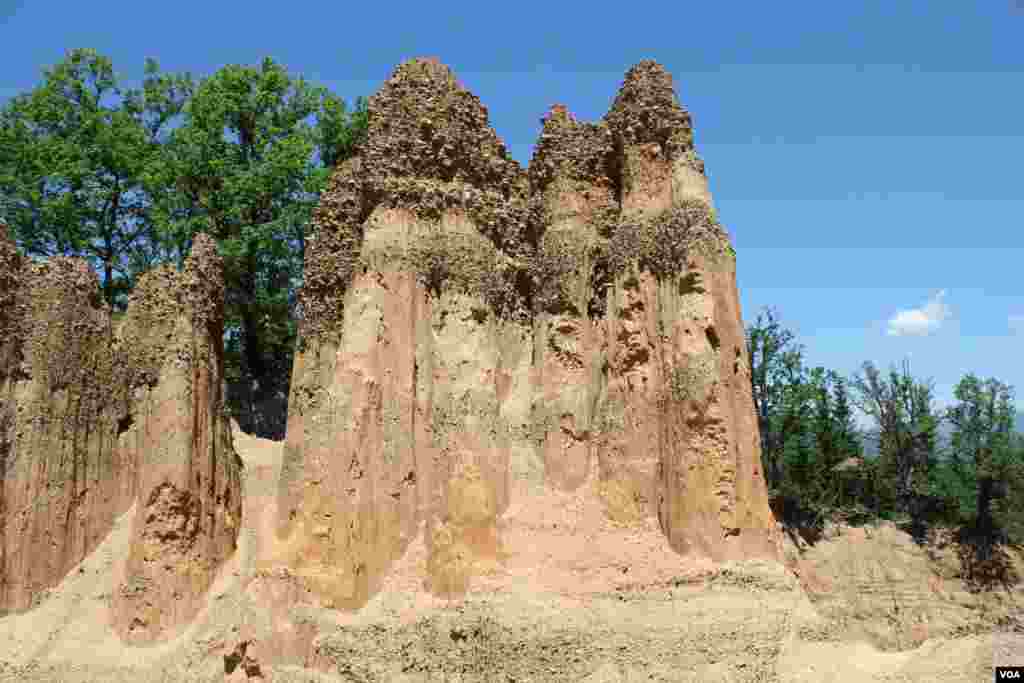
{"x":247,"y":164}
{"x":814,"y":418}
{"x":806,"y":425}
{"x":906,"y":421}
{"x":72,"y":157}
{"x":793,"y":424}
{"x":776,"y":367}
{"x":127,"y":177}
{"x":983,"y":450}
{"x":1008,"y":510}
{"x":836,"y":437}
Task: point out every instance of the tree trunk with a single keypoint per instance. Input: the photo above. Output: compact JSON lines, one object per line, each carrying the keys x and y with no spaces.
{"x":254,"y":375}
{"x":108,"y":281}
{"x":985,"y":490}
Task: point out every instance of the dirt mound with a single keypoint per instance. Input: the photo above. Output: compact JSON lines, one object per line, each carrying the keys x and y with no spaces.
{"x":877,"y":584}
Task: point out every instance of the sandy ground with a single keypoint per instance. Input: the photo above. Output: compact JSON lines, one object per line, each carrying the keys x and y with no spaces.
{"x":578,"y":599}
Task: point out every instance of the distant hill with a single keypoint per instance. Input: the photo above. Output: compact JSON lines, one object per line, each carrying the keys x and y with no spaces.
{"x":945,"y":435}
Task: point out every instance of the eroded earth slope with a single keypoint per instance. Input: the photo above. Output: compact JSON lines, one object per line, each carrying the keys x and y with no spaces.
{"x":658,"y":620}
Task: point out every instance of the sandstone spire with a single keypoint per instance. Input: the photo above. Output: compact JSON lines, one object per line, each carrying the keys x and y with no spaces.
{"x":654,"y":136}
{"x":476,"y":334}
{"x":188,"y":481}
{"x":569,"y":177}
{"x":397,"y":388}
{"x":678,"y":371}
{"x":92,"y":417}
{"x":61,"y":488}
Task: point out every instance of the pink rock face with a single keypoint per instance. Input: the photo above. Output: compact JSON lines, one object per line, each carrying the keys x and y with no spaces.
{"x":356,"y":504}
{"x":711,"y":496}
{"x":568,"y":175}
{"x":396,"y":436}
{"x":392,"y":419}
{"x":188,"y":483}
{"x":93,"y":419}
{"x":474,"y":332}
{"x":677,"y":344}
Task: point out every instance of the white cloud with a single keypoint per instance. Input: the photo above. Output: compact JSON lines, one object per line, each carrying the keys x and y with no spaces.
{"x":1016,"y":323}
{"x":920,"y":321}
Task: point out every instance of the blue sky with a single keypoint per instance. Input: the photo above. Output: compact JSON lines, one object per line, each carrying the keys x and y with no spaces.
{"x":864,"y":156}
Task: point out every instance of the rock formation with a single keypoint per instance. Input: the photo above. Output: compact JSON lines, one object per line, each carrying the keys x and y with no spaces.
{"x":188,"y":481}
{"x":404,"y":370}
{"x":527,"y":390}
{"x":94,"y":418}
{"x":63,"y":482}
{"x":474,"y":332}
{"x":676,"y":349}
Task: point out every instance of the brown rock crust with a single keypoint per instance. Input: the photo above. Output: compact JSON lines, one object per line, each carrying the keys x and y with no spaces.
{"x":474,"y":331}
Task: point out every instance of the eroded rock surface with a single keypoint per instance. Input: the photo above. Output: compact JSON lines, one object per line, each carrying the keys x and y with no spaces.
{"x":94,"y":416}
{"x":63,"y":482}
{"x":475,"y":333}
{"x":188,"y":482}
{"x":404,"y":368}
{"x":739,"y":621}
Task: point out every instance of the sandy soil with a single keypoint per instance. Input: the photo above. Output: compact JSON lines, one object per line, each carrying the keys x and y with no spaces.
{"x":577,"y":599}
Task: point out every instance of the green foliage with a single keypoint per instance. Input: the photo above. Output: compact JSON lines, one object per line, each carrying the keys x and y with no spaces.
{"x":816,"y":435}
{"x":808,"y":432}
{"x":983,"y":421}
{"x":813,"y":459}
{"x":777,"y":376}
{"x":247,"y":164}
{"x":954,"y":483}
{"x":985,"y":454}
{"x":829,"y":439}
{"x":1008,"y":509}
{"x":73,"y":158}
{"x":337,"y":132}
{"x":902,"y":410}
